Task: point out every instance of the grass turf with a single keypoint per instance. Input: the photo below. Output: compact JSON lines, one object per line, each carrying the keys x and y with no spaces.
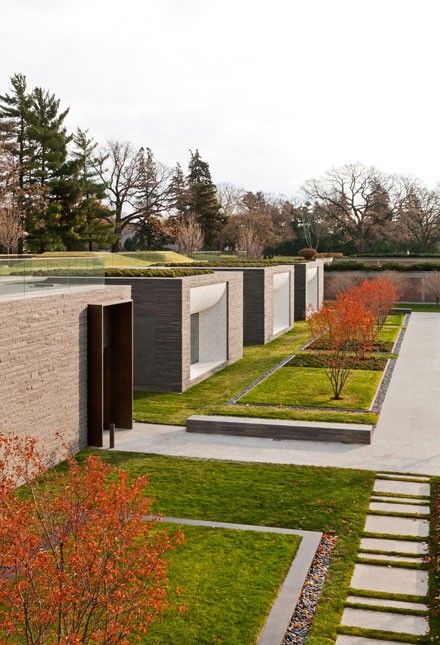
{"x":229,"y":580}
{"x":301,"y":497}
{"x":310,"y":387}
{"x":175,"y":408}
{"x":423,"y":307}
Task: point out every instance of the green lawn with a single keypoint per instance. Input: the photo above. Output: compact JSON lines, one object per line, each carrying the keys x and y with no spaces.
{"x":424,"y":307}
{"x":153,"y":257}
{"x":300,"y":497}
{"x":211,"y":396}
{"x":229,"y":580}
{"x":218,"y":389}
{"x":310,"y":387}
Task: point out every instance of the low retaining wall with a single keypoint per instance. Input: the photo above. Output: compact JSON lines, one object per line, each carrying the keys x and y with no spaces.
{"x":409,"y":283}
{"x":281,"y":429}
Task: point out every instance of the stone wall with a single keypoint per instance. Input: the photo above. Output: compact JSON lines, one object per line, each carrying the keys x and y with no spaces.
{"x":162,"y":334}
{"x":43,"y":365}
{"x":409,"y":283}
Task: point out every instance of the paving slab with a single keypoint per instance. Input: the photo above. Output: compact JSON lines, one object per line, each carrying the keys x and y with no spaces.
{"x":382,"y":602}
{"x":389,"y":558}
{"x":397,"y":525}
{"x":371,"y":577}
{"x":399,"y":508}
{"x":385,"y":544}
{"x":401,"y":487}
{"x":385,"y":621}
{"x":360,"y":640}
{"x":400,"y":500}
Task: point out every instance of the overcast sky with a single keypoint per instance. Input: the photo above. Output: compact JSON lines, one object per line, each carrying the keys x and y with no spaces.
{"x":272,"y":92}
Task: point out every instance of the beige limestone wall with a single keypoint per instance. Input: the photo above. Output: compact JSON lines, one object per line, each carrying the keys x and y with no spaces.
{"x":43,"y":365}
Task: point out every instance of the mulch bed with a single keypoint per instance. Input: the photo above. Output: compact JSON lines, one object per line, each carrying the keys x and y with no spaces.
{"x":322,"y":360}
{"x":379,"y":346}
{"x":304,"y":613}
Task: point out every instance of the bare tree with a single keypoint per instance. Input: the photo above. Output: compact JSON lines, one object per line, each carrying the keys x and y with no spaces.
{"x":250,"y":239}
{"x":354,"y":199}
{"x":312,"y":223}
{"x":431,"y":285}
{"x":230,"y":197}
{"x":189,"y":236}
{"x":399,"y":282}
{"x":11,"y":228}
{"x":11,"y":215}
{"x":118,"y":169}
{"x":419,"y":215}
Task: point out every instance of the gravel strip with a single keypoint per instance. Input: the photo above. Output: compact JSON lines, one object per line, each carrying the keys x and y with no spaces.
{"x":302,"y":617}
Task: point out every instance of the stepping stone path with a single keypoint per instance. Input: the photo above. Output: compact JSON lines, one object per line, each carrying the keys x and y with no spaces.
{"x":391,"y":562}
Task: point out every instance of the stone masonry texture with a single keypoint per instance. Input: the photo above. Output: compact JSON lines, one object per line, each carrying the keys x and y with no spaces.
{"x":43,"y":366}
{"x":162,"y":347}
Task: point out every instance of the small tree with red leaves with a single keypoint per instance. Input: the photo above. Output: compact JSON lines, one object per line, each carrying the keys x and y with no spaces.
{"x":343,"y":326}
{"x":79,"y":561}
{"x":377,"y":297}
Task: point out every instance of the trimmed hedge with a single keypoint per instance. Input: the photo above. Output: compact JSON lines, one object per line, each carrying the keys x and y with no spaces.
{"x":233,"y":263}
{"x":154,"y":273}
{"x":356,"y":265}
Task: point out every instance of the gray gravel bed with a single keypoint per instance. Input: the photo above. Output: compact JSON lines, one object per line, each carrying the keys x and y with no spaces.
{"x":304,"y":613}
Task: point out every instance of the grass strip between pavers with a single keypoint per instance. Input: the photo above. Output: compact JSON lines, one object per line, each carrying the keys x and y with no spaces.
{"x":382,"y":635}
{"x":402,"y":553}
{"x":414,"y":516}
{"x":393,"y":564}
{"x":368,"y":593}
{"x":394,"y":610}
{"x":388,"y":536}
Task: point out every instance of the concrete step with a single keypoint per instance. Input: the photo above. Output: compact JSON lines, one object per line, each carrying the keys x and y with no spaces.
{"x":403,"y":546}
{"x":388,"y":507}
{"x":402,"y":487}
{"x":393,"y":580}
{"x":397,"y":526}
{"x":385,"y":621}
{"x":390,"y":558}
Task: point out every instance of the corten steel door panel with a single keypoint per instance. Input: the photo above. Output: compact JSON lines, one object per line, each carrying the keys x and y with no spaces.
{"x":110,"y":369}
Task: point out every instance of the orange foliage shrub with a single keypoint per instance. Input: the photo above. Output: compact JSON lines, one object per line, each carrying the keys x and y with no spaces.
{"x":79,"y":561}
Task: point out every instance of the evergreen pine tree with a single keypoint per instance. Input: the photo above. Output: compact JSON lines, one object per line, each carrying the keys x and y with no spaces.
{"x":204,"y":203}
{"x":50,"y":169}
{"x":179,"y":195}
{"x":93,"y":219}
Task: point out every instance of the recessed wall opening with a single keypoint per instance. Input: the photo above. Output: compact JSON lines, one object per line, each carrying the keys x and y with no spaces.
{"x":312,"y":298}
{"x":281,"y":302}
{"x":209,"y":328}
{"x":110,"y":369}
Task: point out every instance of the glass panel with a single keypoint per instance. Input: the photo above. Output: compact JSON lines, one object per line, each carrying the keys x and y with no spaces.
{"x":33,"y":275}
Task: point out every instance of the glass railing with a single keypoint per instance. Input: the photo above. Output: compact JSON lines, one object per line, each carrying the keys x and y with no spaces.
{"x":29,"y":276}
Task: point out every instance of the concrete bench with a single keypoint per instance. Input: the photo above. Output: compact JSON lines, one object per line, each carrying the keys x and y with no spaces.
{"x":281,"y":429}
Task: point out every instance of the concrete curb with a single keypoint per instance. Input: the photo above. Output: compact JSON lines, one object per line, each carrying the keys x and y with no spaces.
{"x":279,"y":617}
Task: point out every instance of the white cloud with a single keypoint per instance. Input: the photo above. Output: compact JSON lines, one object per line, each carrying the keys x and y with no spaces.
{"x":271,"y":92}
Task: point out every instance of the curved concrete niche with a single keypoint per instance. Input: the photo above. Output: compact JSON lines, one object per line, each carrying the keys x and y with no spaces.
{"x":206,"y":297}
{"x":281,"y":302}
{"x":312,"y":299}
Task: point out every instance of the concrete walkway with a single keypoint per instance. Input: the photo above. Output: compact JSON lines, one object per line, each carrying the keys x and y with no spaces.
{"x":407,"y":438}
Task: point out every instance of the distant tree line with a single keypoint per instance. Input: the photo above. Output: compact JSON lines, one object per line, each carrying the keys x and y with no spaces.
{"x":64,"y":191}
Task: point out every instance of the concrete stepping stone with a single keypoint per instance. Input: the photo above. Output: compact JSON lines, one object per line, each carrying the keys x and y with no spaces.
{"x":397,"y":526}
{"x":396,"y":477}
{"x":394,"y":604}
{"x":399,"y":500}
{"x":360,"y":640}
{"x":372,"y":577}
{"x":385,"y":621}
{"x":401,"y":487}
{"x":399,"y":508}
{"x":404,"y":546}
{"x":389,"y":558}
